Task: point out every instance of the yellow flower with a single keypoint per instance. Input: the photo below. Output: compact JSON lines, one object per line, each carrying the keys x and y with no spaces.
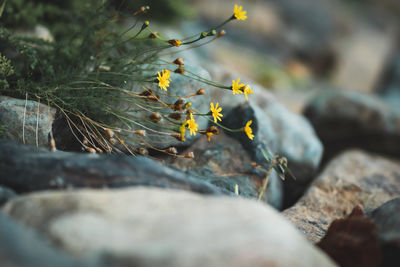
{"x":164,"y":79}
{"x":236,"y":87}
{"x":216,"y":112}
{"x":183,"y":130}
{"x":239,"y":13}
{"x":247,"y":90}
{"x":209,"y":134}
{"x":248,"y":130}
{"x":192,"y":125}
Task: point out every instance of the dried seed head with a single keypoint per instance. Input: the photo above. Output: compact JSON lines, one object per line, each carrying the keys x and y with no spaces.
{"x":90,"y":150}
{"x":175,"y":116}
{"x":221,"y":33}
{"x":98,"y":150}
{"x":201,"y":91}
{"x":214,"y":130}
{"x":143,"y":151}
{"x":85,"y":141}
{"x":153,"y":35}
{"x":112,"y":141}
{"x":180,"y":70}
{"x":172,"y":150}
{"x":178,"y":105}
{"x":52,"y":145}
{"x":179,"y":61}
{"x":156,"y":117}
{"x":140,"y":132}
{"x":189,"y":155}
{"x":141,"y":10}
{"x":109,"y":132}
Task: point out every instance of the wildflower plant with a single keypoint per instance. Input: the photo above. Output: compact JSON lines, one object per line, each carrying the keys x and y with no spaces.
{"x":112,"y":84}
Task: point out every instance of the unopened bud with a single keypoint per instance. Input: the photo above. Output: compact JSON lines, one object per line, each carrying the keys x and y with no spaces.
{"x":109,"y":133}
{"x":175,"y":42}
{"x":180,"y":70}
{"x":201,"y":92}
{"x":140,"y":132}
{"x":178,"y":105}
{"x":153,"y":35}
{"x":221,"y":33}
{"x":156,"y":117}
{"x":143,"y":151}
{"x":175,"y":116}
{"x":172,"y":150}
{"x":179,"y":61}
{"x":90,"y":150}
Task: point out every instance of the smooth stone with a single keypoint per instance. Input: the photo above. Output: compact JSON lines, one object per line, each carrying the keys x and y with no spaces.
{"x":279,"y":131}
{"x":353,"y":178}
{"x":387,"y":219}
{"x":26,"y":169}
{"x":38,"y":121}
{"x":346,"y":119}
{"x":6,"y":194}
{"x":155,"y":227}
{"x":22,"y":247}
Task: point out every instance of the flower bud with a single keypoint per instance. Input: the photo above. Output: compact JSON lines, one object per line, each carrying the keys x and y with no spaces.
{"x":140,"y":132}
{"x":156,"y":117}
{"x":172,"y":150}
{"x":179,"y":61}
{"x":201,"y":92}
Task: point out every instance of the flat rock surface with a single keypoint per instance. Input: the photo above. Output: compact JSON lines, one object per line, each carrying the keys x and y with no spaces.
{"x":154,"y":227}
{"x":351,"y":179}
{"x":26,"y":169}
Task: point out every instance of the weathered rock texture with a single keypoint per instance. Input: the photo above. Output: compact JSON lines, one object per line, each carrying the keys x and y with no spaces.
{"x":31,"y":125}
{"x":354,"y":178}
{"x":26,"y":169}
{"x":154,"y":227}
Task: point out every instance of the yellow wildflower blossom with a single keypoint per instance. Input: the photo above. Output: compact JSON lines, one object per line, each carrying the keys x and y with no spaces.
{"x":192,"y":125}
{"x":209,"y":134}
{"x":239,"y":13}
{"x":237,"y":86}
{"x":247,"y":90}
{"x":182,"y":129}
{"x":248,"y":130}
{"x":216,"y":112}
{"x":164,"y":79}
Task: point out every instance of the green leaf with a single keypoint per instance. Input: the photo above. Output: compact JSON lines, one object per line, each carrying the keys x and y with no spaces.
{"x":3,"y":5}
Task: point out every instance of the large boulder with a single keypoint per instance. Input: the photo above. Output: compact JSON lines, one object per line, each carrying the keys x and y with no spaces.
{"x":155,"y":227}
{"x":348,"y":119}
{"x":27,"y":169}
{"x":280,"y":131}
{"x":22,"y":247}
{"x":225,"y":163}
{"x":353,"y":178}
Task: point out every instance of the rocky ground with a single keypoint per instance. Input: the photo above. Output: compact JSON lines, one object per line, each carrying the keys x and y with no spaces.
{"x":342,"y":142}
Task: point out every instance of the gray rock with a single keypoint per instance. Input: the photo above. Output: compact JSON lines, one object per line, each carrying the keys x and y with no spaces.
{"x":387,"y":219}
{"x":390,"y":84}
{"x":36,"y":131}
{"x":353,"y":178}
{"x":26,"y":169}
{"x":345,"y":119}
{"x":22,"y":247}
{"x":6,"y":194}
{"x":279,"y":131}
{"x":224,"y":162}
{"x":154,"y":227}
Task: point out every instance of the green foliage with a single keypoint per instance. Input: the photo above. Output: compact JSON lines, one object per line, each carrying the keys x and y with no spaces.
{"x":6,"y":70}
